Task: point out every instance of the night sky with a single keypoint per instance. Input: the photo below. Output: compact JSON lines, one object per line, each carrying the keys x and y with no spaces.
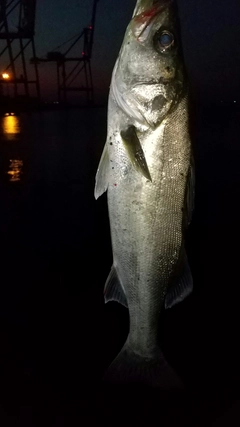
{"x":210,"y":37}
{"x":210,"y":33}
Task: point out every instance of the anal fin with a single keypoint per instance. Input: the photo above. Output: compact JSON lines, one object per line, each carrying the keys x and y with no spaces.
{"x":113,"y":290}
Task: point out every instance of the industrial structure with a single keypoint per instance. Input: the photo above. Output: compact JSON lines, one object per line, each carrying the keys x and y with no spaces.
{"x":17,"y":23}
{"x":74,"y":73}
{"x":18,"y":79}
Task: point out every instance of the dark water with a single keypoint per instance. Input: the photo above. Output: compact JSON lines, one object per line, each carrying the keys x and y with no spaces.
{"x":57,"y":337}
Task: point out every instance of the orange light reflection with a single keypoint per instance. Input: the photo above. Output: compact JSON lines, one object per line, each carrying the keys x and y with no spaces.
{"x":15,"y":170}
{"x":11,"y":124}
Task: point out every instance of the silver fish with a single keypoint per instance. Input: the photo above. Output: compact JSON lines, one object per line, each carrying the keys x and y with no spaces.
{"x":147,"y":169}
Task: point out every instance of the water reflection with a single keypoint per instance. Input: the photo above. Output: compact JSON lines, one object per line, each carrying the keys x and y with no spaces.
{"x":15,"y":170}
{"x":11,"y":125}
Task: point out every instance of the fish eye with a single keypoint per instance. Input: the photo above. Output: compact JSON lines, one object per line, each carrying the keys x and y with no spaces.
{"x":165,"y":41}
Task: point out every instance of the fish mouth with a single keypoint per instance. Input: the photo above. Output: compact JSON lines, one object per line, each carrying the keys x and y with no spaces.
{"x":145,"y":12}
{"x":147,"y":9}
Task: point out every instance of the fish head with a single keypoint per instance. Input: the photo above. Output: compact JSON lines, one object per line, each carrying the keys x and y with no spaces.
{"x":149,"y":78}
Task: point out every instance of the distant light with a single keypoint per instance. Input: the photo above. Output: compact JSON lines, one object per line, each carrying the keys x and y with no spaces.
{"x":90,"y":27}
{"x":235,"y":102}
{"x":5,"y":76}
{"x":83,"y":53}
{"x":12,"y":114}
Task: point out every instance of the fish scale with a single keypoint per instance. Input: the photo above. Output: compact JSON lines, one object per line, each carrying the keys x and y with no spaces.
{"x":150,"y":248}
{"x":147,"y":170}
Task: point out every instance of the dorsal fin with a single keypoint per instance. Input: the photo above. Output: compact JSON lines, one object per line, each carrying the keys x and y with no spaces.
{"x":113,"y":290}
{"x":181,"y":288}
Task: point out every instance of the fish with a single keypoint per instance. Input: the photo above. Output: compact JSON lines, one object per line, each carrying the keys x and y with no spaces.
{"x":147,"y":169}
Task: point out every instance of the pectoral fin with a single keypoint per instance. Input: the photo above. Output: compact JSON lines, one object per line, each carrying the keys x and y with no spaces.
{"x":135,"y":151}
{"x":102,"y":174}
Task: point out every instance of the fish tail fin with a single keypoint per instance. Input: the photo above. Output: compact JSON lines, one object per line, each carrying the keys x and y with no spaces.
{"x":140,"y":390}
{"x":129,"y":368}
